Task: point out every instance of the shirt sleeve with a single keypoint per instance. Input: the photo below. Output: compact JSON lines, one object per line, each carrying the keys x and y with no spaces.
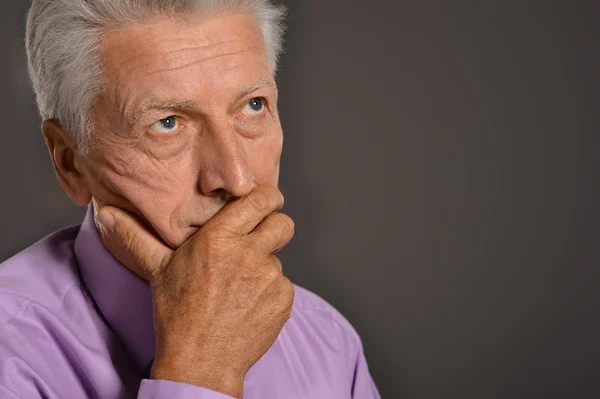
{"x":161,"y":389}
{"x":6,"y":393}
{"x":363,"y":386}
{"x":361,"y":383}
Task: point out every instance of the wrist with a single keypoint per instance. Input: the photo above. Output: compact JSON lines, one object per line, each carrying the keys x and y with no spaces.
{"x":215,"y":377}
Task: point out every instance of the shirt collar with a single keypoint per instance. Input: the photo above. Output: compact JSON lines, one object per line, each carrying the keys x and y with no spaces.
{"x":123,"y":298}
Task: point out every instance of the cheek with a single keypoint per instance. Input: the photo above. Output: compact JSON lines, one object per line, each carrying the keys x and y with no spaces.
{"x":140,"y":184}
{"x":265,"y":158}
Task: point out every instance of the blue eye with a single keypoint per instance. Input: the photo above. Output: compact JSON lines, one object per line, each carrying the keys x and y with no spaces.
{"x":166,"y":125}
{"x":255,"y":106}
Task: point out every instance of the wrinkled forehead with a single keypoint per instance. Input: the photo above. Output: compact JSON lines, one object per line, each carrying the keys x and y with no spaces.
{"x":203,"y":60}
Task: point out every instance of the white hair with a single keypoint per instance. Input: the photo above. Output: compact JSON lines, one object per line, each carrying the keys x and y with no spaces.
{"x":65,"y":58}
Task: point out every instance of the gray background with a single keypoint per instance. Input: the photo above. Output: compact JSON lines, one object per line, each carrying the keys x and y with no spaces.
{"x":441,"y":165}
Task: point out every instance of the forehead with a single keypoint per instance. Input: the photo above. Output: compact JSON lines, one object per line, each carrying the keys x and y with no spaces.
{"x":188,"y":58}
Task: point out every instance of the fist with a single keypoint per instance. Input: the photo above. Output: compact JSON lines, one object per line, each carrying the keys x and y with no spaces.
{"x":221,"y":299}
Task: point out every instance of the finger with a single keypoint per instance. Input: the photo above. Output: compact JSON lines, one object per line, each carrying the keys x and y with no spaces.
{"x":277,"y":262}
{"x":273,"y":233}
{"x":244,"y":214}
{"x":146,"y":249}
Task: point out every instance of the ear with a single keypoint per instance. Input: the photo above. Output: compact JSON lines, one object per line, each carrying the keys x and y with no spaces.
{"x":67,"y":162}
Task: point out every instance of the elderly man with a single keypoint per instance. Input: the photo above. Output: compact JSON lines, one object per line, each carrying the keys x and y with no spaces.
{"x":162,"y":116}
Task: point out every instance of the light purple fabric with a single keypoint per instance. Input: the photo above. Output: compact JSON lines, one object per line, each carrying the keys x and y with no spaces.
{"x":75,"y":323}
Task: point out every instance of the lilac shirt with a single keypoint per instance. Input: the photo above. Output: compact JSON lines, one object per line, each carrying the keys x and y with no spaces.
{"x":75,"y":323}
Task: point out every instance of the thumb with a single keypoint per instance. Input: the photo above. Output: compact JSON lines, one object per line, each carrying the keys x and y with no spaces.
{"x":141,"y":244}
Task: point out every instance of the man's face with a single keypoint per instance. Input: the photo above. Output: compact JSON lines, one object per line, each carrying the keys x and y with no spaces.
{"x":188,"y":120}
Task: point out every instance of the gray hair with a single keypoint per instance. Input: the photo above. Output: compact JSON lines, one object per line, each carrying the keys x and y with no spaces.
{"x":65,"y":58}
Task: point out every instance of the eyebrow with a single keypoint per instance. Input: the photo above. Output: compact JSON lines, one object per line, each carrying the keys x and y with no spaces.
{"x":254,"y":87}
{"x":171,"y":105}
{"x":168,"y":105}
{"x":164,"y":106}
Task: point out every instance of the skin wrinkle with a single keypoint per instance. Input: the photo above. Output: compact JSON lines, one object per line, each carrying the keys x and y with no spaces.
{"x":206,"y":45}
{"x":203,"y":60}
{"x":199,"y":112}
{"x":119,"y":166}
{"x":174,"y":183}
{"x":125,"y":62}
{"x":177,"y":105}
{"x":118,"y":71}
{"x":126,"y":113}
{"x":123,"y":199}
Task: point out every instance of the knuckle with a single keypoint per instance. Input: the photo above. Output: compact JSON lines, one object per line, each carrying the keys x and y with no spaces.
{"x":273,"y":195}
{"x":272,"y":273}
{"x":277,"y":264}
{"x":286,"y":222}
{"x":288,"y":289}
{"x":280,"y":226}
{"x":287,"y":293}
{"x":277,"y":197}
{"x":259,"y":200}
{"x":253,"y":265}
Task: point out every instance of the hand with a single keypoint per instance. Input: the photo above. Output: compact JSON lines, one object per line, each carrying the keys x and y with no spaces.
{"x":221,"y":299}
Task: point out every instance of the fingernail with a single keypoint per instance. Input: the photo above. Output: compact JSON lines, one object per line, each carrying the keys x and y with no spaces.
{"x":107,"y":220}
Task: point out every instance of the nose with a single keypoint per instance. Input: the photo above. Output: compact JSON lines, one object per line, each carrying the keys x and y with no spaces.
{"x":225,"y":169}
